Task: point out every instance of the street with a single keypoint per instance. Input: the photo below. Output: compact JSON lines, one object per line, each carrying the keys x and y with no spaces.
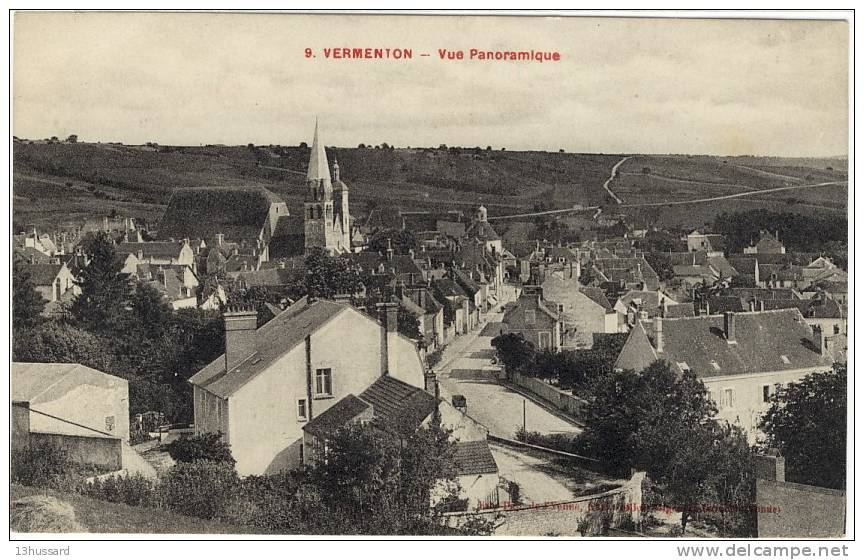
{"x":466,"y":369}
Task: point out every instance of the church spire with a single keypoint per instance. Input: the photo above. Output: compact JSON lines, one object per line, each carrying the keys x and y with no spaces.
{"x":318,"y":167}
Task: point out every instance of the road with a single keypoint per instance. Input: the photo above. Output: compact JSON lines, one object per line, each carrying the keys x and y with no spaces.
{"x":681,"y":202}
{"x":468,"y":371}
{"x":612,"y":177}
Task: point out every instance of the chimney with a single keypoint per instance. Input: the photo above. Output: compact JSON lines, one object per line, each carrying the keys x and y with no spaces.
{"x":658,"y":334}
{"x":729,"y":327}
{"x":240,"y":337}
{"x":752,"y":304}
{"x":761,"y":305}
{"x":220,"y":239}
{"x":389,"y":250}
{"x":388,"y":314}
{"x":105,"y":223}
{"x":819,"y":339}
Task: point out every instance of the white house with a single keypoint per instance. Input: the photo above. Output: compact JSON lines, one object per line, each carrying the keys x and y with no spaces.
{"x":274,"y":380}
{"x":740,"y":357}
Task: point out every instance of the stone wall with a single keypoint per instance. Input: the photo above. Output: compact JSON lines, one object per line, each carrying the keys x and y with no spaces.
{"x":562,"y":400}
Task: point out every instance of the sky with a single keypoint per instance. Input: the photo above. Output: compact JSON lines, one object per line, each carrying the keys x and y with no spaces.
{"x":623,"y":85}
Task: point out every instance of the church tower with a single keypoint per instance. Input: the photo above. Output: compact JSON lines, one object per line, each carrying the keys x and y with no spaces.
{"x":340,"y":205}
{"x":318,"y":207}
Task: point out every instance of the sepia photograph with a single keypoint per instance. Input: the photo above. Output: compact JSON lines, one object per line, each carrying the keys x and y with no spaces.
{"x":453,"y":275}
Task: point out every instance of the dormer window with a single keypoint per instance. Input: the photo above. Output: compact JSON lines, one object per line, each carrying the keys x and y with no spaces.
{"x":785,"y":359}
{"x":715,"y":365}
{"x":683,"y":367}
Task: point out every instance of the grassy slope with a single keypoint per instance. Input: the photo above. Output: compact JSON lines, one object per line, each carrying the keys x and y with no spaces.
{"x":106,"y":517}
{"x":63,"y":184}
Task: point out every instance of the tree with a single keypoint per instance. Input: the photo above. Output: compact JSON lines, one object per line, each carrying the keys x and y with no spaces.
{"x":60,"y":342}
{"x":513,"y":350}
{"x":105,"y":289}
{"x":201,"y":447}
{"x":663,"y":423}
{"x":27,"y":303}
{"x":327,"y":276}
{"x":151,"y":314}
{"x":401,"y":241}
{"x":72,"y":139}
{"x":376,"y":483}
{"x":806,"y":422}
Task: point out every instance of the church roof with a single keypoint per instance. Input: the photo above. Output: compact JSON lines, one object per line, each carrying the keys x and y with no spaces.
{"x":236,"y":212}
{"x":318,"y":166}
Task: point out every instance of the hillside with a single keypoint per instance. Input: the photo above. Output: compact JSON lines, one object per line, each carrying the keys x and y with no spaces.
{"x":106,"y":517}
{"x":61,"y":184}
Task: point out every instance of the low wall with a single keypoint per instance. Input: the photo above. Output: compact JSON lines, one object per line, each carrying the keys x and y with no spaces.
{"x":583,"y":515}
{"x":100,"y":451}
{"x":562,"y":400}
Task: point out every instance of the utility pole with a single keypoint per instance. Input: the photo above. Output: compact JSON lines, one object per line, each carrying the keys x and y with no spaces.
{"x":524,"y":428}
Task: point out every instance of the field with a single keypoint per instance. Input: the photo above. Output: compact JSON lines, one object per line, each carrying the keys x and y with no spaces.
{"x":57,"y":185}
{"x":106,"y":517}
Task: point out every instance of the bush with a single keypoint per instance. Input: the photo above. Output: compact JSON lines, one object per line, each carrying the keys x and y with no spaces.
{"x":133,"y":490}
{"x":264,"y":502}
{"x":201,"y":447}
{"x":434,"y":358}
{"x":43,"y":464}
{"x":203,"y":489}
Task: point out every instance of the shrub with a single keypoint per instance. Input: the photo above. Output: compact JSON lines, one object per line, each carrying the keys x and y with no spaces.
{"x":43,"y":464}
{"x":200,"y":489}
{"x":434,"y":358}
{"x":264,"y":502}
{"x":201,"y":447}
{"x":133,"y":490}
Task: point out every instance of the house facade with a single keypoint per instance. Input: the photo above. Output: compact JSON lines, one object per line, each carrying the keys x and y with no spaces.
{"x":536,"y":319}
{"x":272,"y":381}
{"x":584,"y":310}
{"x":740,"y":357}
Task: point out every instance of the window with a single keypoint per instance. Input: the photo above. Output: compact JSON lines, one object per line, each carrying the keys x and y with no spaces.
{"x":784,"y":358}
{"x":728,"y":398}
{"x":109,"y":423}
{"x":530,"y":316}
{"x":545,"y":340}
{"x":301,"y":410}
{"x":323,"y":382}
{"x":766,"y":393}
{"x":715,"y":365}
{"x":683,"y":367}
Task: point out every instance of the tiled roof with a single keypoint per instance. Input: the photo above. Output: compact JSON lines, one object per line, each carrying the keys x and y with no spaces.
{"x":276,"y":338}
{"x":42,"y":274}
{"x":693,"y":270}
{"x":596,"y":295}
{"x":236,"y":212}
{"x":162,"y":249}
{"x":267,"y":277}
{"x":474,"y":457}
{"x":765,"y":341}
{"x":680,"y":310}
{"x":397,"y":406}
{"x":483,"y":231}
{"x":337,"y":416}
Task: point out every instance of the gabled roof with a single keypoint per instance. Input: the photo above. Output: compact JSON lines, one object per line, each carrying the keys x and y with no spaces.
{"x":483,"y":231}
{"x":267,"y":277}
{"x":37,"y":382}
{"x":763,"y":340}
{"x":694,"y":270}
{"x":159,"y":249}
{"x":597,"y":295}
{"x":474,"y":457}
{"x":809,"y":308}
{"x":236,"y":212}
{"x":448,"y":288}
{"x":276,"y":338}
{"x":397,"y":406}
{"x":42,"y":274}
{"x":347,"y":410}
{"x":677,"y":310}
